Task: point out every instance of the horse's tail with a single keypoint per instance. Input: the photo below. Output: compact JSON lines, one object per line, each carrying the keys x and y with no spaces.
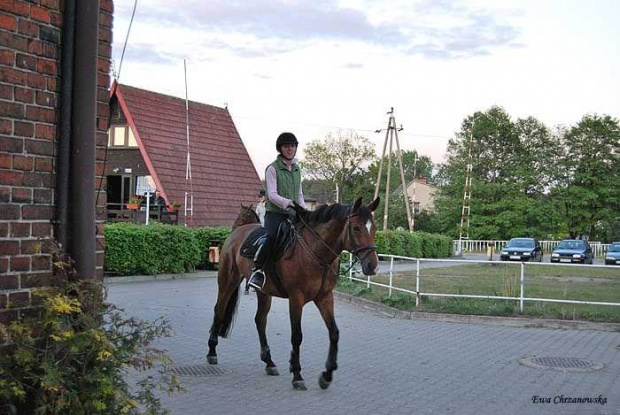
{"x":229,"y":315}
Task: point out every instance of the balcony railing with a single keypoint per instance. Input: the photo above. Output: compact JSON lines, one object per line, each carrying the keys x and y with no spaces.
{"x":118,"y":212}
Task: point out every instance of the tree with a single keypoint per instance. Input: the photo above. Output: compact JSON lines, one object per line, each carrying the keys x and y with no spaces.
{"x":337,"y":159}
{"x":588,"y":190}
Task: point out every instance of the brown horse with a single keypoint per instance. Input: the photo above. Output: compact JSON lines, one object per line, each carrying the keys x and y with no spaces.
{"x":246,"y":216}
{"x":308,"y":271}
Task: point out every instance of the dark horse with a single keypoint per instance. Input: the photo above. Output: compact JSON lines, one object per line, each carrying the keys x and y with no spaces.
{"x":308,"y":271}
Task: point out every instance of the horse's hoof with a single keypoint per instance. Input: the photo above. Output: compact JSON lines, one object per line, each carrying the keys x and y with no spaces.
{"x":212,"y":360}
{"x":272,"y":371}
{"x":299,"y":385}
{"x":323,"y":383}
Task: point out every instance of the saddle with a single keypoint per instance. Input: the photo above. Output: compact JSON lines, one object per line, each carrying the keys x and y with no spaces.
{"x":283,"y":240}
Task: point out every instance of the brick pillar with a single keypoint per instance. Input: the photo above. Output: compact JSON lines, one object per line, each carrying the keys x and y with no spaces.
{"x":30,"y":52}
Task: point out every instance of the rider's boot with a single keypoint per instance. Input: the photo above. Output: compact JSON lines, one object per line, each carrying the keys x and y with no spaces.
{"x":257,"y":280}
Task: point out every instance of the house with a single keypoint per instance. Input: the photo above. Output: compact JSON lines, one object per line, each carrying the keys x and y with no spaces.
{"x":424,"y":194}
{"x":148,"y":150}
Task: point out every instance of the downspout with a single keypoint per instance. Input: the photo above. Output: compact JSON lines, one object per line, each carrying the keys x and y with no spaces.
{"x":84,"y":134}
{"x":64,"y":144}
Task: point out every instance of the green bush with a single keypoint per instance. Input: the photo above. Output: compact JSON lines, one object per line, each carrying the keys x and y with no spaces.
{"x":416,"y":245}
{"x":73,"y":355}
{"x":133,"y":249}
{"x":210,"y":237}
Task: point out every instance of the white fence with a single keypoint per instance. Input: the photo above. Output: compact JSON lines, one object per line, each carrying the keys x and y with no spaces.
{"x":468,"y":245}
{"x":522,"y":298}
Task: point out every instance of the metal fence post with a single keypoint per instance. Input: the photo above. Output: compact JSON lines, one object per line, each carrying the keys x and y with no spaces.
{"x":522,"y":288}
{"x":391,"y":277}
{"x":417,"y":284}
{"x":350,"y":266}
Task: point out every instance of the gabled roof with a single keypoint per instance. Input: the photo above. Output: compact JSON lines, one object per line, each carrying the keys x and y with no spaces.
{"x":223,"y":175}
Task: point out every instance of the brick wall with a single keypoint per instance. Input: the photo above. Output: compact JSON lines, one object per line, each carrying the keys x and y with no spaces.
{"x":30,"y":65}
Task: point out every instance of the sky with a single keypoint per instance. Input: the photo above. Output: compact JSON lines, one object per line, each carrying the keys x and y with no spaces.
{"x":315,"y":67}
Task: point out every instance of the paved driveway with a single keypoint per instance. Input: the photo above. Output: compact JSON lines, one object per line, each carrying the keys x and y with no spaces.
{"x":387,"y":365}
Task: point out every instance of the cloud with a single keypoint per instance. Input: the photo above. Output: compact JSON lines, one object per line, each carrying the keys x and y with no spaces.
{"x":444,"y":29}
{"x":353,"y":65}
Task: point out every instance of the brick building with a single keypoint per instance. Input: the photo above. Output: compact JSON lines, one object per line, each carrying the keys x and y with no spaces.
{"x":52,"y":140}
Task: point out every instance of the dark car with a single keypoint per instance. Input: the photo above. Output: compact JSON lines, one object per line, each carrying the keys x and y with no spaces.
{"x":573,"y":251}
{"x":613,"y":255}
{"x":522,"y":249}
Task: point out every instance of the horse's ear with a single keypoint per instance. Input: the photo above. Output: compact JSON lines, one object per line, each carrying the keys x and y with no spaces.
{"x":374,"y":204}
{"x":357,"y":204}
{"x":251,"y":207}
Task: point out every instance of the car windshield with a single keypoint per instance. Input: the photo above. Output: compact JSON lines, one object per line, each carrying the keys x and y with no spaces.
{"x":571,"y":245}
{"x":614,"y":248}
{"x":520,"y":243}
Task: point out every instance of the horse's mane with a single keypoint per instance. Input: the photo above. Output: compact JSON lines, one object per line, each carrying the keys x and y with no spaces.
{"x":326,"y":213}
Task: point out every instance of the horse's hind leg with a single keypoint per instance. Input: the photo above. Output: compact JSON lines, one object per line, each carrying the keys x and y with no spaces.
{"x":264,"y":305}
{"x":326,"y":306}
{"x":223,"y":312}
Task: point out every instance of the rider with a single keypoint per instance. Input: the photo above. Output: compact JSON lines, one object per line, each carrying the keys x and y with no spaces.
{"x":283,"y":178}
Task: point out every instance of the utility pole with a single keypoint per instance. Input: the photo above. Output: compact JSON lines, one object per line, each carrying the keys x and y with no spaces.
{"x":415,"y":173}
{"x":466,"y":209}
{"x":391,"y":133}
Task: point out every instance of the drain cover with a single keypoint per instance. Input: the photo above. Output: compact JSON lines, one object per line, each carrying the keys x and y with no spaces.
{"x":200,"y":370}
{"x":563,"y":364}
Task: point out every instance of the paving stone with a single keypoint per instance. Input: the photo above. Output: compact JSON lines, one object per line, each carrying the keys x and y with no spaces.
{"x":386,"y":365}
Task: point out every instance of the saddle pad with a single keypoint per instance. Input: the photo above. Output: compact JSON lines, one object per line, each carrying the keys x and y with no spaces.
{"x":249,"y":247}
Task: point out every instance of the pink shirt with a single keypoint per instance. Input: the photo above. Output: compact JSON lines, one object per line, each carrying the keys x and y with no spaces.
{"x":272,"y":190}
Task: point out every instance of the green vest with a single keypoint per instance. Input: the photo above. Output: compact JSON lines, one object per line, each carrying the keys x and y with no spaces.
{"x":288,"y":182}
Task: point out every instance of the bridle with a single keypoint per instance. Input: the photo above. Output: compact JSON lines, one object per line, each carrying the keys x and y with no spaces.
{"x":355,"y":250}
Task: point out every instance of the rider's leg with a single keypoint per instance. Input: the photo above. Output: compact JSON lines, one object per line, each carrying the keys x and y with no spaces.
{"x":272,"y":223}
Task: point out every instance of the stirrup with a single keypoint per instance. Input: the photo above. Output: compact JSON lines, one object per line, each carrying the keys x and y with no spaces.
{"x":254,"y":275}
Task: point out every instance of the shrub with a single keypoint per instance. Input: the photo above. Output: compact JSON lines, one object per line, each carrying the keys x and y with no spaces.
{"x":133,"y":249}
{"x":416,"y":245}
{"x":73,"y":354}
{"x":207,"y":237}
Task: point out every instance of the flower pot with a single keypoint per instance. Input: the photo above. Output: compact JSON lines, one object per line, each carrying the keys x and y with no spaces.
{"x":133,"y":206}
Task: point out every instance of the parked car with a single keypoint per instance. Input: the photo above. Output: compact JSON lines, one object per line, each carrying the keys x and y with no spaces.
{"x":573,"y":251}
{"x":522,"y":249}
{"x":613,"y":255}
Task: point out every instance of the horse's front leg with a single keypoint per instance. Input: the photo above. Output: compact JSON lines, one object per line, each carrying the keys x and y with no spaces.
{"x":264,"y":305}
{"x":325,"y":305}
{"x":295,"y":304}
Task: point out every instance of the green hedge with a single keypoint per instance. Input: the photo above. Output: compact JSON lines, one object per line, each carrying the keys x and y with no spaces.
{"x":416,"y":245}
{"x":210,"y":237}
{"x":154,"y":249}
{"x":166,"y":249}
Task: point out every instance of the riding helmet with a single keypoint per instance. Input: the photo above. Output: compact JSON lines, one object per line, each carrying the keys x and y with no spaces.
{"x":285,"y":138}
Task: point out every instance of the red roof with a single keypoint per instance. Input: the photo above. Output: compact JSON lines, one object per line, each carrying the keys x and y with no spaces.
{"x":223,"y":175}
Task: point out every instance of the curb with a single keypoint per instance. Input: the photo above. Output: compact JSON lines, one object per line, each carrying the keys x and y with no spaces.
{"x":159,"y":277}
{"x":523,"y":322}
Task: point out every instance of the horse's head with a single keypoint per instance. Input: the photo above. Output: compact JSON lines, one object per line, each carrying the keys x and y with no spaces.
{"x":246,"y":216}
{"x":360,"y":238}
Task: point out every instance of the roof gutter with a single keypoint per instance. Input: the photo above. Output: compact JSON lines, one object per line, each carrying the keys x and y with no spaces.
{"x":84,"y":134}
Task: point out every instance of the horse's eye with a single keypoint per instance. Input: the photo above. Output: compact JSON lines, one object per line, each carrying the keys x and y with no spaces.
{"x":356,"y":228}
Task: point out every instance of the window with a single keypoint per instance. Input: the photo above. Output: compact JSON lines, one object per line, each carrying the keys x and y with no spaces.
{"x":121,"y":136}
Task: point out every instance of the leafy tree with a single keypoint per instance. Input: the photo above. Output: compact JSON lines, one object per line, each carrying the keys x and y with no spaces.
{"x":337,"y":159}
{"x":588,"y":190}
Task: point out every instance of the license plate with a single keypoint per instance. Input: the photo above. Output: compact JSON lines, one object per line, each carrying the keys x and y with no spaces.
{"x":515,"y":257}
{"x":565,"y":260}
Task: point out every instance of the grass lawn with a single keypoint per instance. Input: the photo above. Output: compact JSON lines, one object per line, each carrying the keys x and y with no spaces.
{"x":563,"y":282}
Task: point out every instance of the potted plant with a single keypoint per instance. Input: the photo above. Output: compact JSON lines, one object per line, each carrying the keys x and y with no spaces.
{"x":174,"y":206}
{"x":134,"y":203}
